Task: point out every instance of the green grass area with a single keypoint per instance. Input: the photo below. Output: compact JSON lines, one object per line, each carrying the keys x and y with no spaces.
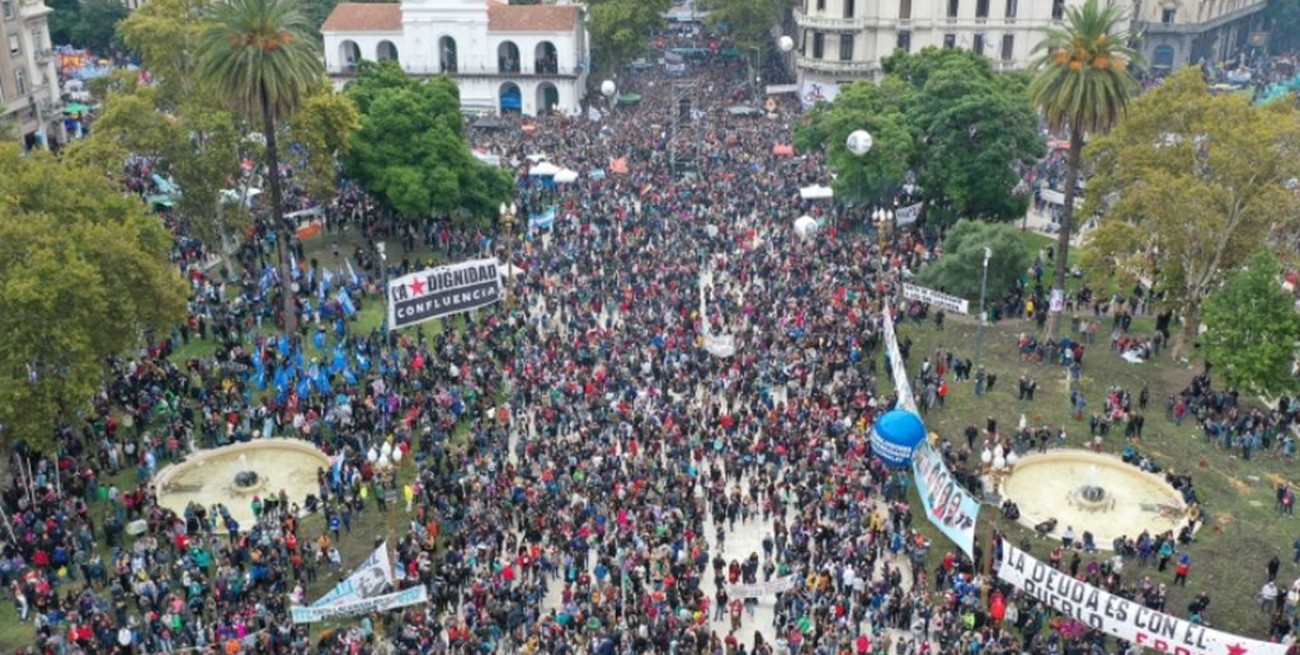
{"x":1242,"y":530}
{"x":366,"y":527}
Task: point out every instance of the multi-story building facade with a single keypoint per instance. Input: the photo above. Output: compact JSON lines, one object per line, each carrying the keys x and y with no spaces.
{"x":841,"y":41}
{"x":1176,"y":33}
{"x":29,"y":82}
{"x":528,"y":58}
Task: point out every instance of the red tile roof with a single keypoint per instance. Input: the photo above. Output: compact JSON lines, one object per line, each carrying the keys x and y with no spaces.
{"x":531,"y":18}
{"x":364,"y":17}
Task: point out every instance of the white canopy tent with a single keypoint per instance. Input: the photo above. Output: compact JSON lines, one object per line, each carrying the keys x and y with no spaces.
{"x":566,"y":176}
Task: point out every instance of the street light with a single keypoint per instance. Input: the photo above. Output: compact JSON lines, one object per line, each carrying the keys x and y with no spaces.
{"x":979,"y":329}
{"x":508,"y":222}
{"x":608,"y":88}
{"x":386,"y":460}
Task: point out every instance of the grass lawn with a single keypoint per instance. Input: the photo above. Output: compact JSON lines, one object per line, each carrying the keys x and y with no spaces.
{"x":354,"y":547}
{"x":1242,"y":530}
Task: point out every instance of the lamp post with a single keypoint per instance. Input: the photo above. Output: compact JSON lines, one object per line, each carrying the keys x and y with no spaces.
{"x":608,"y":88}
{"x":508,"y":222}
{"x":387,"y":460}
{"x":979,"y":329}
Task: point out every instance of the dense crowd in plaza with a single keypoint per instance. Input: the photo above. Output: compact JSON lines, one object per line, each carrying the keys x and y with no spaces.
{"x":583,"y":468}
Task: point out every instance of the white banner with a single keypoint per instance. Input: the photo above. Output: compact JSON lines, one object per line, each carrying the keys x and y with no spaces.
{"x":755,"y":589}
{"x":369,"y":579}
{"x":947,"y":505}
{"x":442,"y":291}
{"x":902,"y":384}
{"x":907,"y":215}
{"x":939,"y":299}
{"x":412,"y":596}
{"x":720,"y":345}
{"x":815,"y":92}
{"x":1130,"y":621}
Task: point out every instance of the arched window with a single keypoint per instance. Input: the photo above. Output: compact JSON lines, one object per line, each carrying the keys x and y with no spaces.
{"x":512,"y":100}
{"x":545,"y":59}
{"x":349,"y":55}
{"x":447,"y":55}
{"x":386,"y":51}
{"x":508,"y":57}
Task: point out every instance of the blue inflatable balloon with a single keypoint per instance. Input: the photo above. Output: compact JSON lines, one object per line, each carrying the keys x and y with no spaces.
{"x":895,"y":435}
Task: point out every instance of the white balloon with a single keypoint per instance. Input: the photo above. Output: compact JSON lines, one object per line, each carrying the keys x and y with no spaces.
{"x":785,"y":43}
{"x":608,"y":88}
{"x":859,"y":142}
{"x":373,"y":455}
{"x":387,"y":449}
{"x":397,"y":455}
{"x":999,"y":463}
{"x":986,"y":456}
{"x":1011,"y":458}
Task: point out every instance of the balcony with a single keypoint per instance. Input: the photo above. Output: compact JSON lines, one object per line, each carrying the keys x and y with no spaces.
{"x":43,"y":55}
{"x":828,"y":22}
{"x":837,"y":67}
{"x":526,"y":72}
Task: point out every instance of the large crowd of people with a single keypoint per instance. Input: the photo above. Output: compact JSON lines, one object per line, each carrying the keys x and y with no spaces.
{"x":587,"y":477}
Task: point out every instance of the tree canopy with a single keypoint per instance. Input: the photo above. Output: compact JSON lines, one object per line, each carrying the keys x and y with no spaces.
{"x":1251,"y":329}
{"x":620,"y":29}
{"x":860,"y":106}
{"x":960,"y":270}
{"x":944,"y":115}
{"x":747,"y":23}
{"x":411,"y":152}
{"x":1191,"y":185}
{"x":83,"y":273}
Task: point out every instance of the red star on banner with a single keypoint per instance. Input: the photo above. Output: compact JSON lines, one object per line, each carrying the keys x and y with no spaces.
{"x":1236,"y":649}
{"x":417,"y":289}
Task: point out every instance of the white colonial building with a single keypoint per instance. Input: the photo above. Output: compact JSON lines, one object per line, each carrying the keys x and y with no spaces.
{"x":529,"y":58}
{"x":841,"y":41}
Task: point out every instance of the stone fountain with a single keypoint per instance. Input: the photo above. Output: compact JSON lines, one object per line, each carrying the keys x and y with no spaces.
{"x":1094,"y":492}
{"x":233,"y":474}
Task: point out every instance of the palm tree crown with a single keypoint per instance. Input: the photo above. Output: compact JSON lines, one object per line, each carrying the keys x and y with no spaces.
{"x":261,"y":55}
{"x":1082,"y":80}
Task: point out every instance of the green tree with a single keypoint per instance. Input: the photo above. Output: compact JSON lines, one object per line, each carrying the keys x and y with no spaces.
{"x":620,"y":29}
{"x":320,"y":133}
{"x":1082,"y":84}
{"x":62,"y":18}
{"x":1284,"y":15}
{"x":860,"y":106}
{"x":198,"y":147}
{"x":1251,"y":329}
{"x":411,"y":151}
{"x":747,"y":23}
{"x":974,"y":127}
{"x":83,"y":273}
{"x":165,"y":34}
{"x":96,"y":26}
{"x":261,"y":57}
{"x":1191,"y":186}
{"x":960,"y":270}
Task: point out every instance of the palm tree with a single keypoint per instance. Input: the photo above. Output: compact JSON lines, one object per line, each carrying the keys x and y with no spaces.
{"x":262,"y":56}
{"x":1082,"y":84}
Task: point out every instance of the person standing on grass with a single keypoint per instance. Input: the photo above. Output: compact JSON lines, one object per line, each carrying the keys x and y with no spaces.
{"x":1184,"y":567}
